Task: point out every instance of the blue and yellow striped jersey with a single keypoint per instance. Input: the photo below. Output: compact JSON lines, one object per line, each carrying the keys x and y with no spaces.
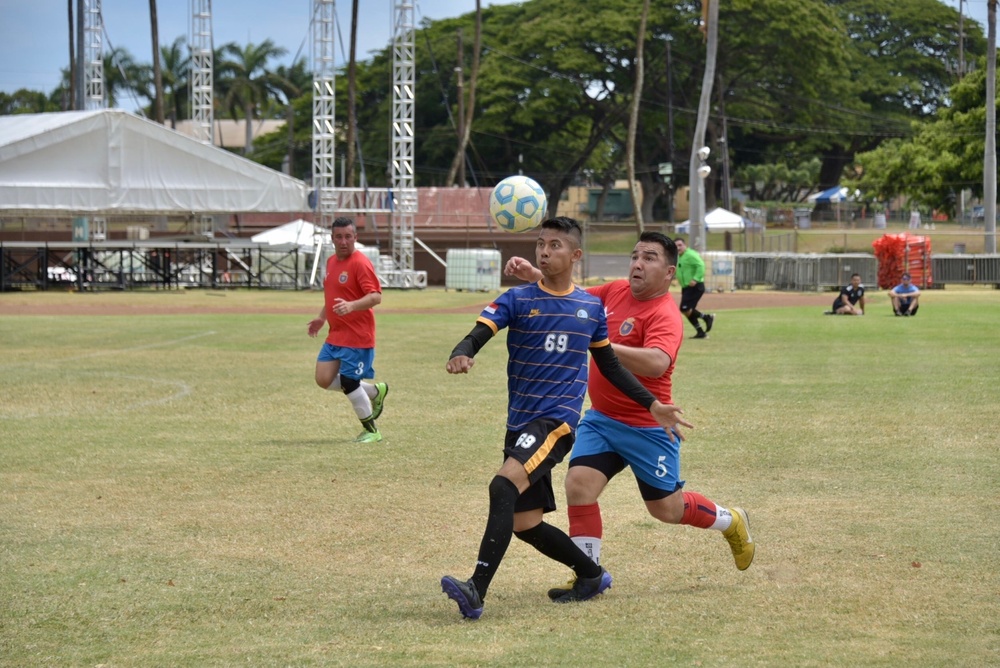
{"x":549,"y":335}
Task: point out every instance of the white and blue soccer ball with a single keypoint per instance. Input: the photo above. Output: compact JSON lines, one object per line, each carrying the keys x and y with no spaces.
{"x":518,"y":204}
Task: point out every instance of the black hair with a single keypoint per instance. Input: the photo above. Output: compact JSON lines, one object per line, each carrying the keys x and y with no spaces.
{"x":564,"y":224}
{"x":669,"y":247}
{"x":344,"y":221}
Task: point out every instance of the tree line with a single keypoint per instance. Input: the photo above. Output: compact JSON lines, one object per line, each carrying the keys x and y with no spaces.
{"x":807,"y":93}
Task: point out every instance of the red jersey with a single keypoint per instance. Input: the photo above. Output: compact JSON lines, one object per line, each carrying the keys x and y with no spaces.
{"x":350,"y":279}
{"x":655,"y":323}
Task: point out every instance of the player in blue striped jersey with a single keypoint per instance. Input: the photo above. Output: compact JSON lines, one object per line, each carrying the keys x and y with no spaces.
{"x":551,"y":326}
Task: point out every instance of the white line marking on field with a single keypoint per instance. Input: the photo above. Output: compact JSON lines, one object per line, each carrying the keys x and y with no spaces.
{"x":182,"y":388}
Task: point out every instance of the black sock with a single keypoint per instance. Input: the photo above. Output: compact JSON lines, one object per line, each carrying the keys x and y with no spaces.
{"x":496,"y":536}
{"x":555,"y":544}
{"x":692,"y":317}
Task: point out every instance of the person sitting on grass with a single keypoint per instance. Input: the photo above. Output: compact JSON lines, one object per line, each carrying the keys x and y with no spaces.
{"x":851,"y":300}
{"x":905,"y":297}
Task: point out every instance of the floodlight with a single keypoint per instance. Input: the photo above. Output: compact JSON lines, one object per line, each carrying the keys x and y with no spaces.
{"x":704,"y":171}
{"x":703,"y":152}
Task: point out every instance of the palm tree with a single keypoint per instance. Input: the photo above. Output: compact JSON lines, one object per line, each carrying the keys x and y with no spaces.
{"x":176,"y":68}
{"x":122,"y":74}
{"x":249,"y":87}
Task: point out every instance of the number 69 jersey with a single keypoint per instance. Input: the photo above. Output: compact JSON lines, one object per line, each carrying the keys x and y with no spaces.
{"x":549,"y":335}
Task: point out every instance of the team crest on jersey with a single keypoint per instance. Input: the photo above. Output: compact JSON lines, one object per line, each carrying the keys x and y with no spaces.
{"x":627,"y":327}
{"x":343,"y":277}
{"x":581,"y":314}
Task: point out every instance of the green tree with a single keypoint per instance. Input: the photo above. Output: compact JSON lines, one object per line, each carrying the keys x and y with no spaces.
{"x":24,"y":101}
{"x":943,"y":156}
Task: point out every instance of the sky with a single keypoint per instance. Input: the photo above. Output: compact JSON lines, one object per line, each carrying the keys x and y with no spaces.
{"x":34,"y":47}
{"x":33,"y":33}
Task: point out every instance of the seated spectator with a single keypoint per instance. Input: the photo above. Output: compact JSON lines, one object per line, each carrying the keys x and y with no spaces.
{"x":851,"y":300}
{"x":905,"y":297}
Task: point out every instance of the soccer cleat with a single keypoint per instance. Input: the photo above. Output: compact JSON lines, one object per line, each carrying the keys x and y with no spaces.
{"x":740,"y":542}
{"x":383,"y":389}
{"x":827,"y":312}
{"x":465,"y":594}
{"x":585,"y":589}
{"x":709,"y":321}
{"x":557,"y":592}
{"x":369,"y":437}
{"x":700,"y":335}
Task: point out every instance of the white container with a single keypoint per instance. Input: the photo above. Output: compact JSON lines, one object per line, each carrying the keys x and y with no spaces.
{"x":720,"y":274}
{"x":473,"y":269}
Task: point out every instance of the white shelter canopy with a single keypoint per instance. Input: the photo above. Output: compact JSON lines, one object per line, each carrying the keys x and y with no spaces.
{"x":111,"y":162}
{"x":717,"y":220}
{"x":296,"y":233}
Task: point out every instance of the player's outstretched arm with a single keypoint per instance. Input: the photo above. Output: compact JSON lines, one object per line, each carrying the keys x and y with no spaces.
{"x":461,"y":359}
{"x":666,"y":415}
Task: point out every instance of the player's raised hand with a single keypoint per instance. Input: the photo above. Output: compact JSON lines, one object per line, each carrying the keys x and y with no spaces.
{"x":669,"y":416}
{"x":459,"y":364}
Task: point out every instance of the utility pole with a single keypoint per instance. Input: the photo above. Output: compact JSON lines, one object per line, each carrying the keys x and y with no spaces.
{"x":961,"y":39}
{"x":697,"y":172}
{"x":670,"y":133}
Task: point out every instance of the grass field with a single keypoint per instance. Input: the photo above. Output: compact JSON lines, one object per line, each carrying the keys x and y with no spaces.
{"x":176,"y":491}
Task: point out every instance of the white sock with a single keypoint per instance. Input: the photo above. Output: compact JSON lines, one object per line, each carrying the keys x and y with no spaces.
{"x":723,"y":518}
{"x":361,"y":403}
{"x":590,"y":546}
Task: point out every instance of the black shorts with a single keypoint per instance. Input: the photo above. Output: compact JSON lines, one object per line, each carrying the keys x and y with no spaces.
{"x":539,"y":446}
{"x":691,"y":295}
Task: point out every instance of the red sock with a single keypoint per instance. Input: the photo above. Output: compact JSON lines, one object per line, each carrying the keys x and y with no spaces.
{"x":698,"y":511}
{"x":586,"y":521}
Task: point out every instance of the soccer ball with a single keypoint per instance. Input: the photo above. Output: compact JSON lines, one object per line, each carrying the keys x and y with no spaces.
{"x":518,"y":204}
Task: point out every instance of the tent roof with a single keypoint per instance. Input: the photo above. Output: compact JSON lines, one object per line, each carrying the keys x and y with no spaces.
{"x":834,"y":194}
{"x":111,"y":161}
{"x":718,"y":220}
{"x":297,"y":233}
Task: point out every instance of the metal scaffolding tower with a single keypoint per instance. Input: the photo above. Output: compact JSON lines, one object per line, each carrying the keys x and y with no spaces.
{"x":399,"y":201}
{"x":202,"y":72}
{"x":93,"y":55}
{"x":324,"y":79}
{"x":403,"y":185}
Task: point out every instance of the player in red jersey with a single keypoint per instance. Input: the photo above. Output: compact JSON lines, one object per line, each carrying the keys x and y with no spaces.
{"x":646,"y":329}
{"x":351,"y":290}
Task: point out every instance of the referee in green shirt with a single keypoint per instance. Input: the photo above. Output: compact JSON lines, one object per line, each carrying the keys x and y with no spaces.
{"x":691,"y":277}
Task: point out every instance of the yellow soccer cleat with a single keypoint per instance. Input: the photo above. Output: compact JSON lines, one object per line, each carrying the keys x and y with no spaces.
{"x":738,"y":536}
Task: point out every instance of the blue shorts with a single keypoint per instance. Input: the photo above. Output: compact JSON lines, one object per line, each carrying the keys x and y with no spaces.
{"x":652,"y":453}
{"x":355,"y":363}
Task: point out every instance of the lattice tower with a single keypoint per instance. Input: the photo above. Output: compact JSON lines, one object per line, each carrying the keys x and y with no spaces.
{"x":403,"y":108}
{"x":93,"y":55}
{"x":324,"y":81}
{"x":202,"y":71}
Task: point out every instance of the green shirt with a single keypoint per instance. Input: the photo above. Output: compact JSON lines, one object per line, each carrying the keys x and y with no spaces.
{"x":690,"y":267}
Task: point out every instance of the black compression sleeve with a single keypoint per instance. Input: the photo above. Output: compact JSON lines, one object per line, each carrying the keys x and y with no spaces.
{"x":473,"y":341}
{"x":620,"y":377}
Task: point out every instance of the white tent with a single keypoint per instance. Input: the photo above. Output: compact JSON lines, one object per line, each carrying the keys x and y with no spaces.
{"x":111,"y":162}
{"x":298,"y":232}
{"x":718,"y":220}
